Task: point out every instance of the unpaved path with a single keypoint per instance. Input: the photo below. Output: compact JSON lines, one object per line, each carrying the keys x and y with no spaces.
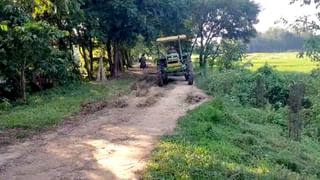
{"x":110,"y":144}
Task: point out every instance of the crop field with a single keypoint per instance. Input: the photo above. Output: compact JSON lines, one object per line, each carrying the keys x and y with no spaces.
{"x":286,"y":62}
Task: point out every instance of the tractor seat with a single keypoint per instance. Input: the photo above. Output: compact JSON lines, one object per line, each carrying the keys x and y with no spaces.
{"x":173,"y":57}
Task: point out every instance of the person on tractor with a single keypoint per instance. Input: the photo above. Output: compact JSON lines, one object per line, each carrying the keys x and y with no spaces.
{"x":172,"y":49}
{"x":143,"y":62}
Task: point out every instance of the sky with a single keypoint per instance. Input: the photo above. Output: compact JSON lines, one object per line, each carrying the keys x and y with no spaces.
{"x":273,"y":10}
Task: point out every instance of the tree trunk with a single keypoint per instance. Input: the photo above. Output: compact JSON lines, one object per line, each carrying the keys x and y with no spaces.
{"x":91,"y":56}
{"x":110,"y":58}
{"x":202,"y":59}
{"x":296,"y":95}
{"x":101,"y":75}
{"x":116,"y":60}
{"x":121,"y":61}
{"x":71,"y":45}
{"x":23,"y":81}
{"x":124,"y":59}
{"x":129,"y":59}
{"x":86,"y":61}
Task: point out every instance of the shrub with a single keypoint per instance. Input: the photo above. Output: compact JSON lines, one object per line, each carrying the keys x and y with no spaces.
{"x":5,"y":104}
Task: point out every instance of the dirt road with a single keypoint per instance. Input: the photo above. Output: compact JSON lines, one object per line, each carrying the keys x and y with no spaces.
{"x":114,"y":143}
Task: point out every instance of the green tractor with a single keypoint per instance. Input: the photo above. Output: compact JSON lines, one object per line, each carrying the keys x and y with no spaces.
{"x":172,"y":60}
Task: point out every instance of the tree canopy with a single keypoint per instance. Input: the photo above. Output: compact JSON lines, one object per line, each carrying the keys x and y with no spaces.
{"x":216,"y":19}
{"x":48,"y":32}
{"x":310,"y":24}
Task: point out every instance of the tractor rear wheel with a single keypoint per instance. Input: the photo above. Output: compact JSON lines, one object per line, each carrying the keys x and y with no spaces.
{"x":190,"y":79}
{"x":189,"y":76}
{"x":186,"y":77}
{"x":160,"y":79}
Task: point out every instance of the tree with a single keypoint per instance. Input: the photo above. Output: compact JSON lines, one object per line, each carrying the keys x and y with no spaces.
{"x":118,"y":26}
{"x":310,"y":25}
{"x":27,"y":49}
{"x":166,"y":17}
{"x":216,"y":19}
{"x":230,"y":51}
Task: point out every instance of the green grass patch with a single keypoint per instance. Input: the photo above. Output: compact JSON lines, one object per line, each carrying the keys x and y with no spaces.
{"x":50,"y":107}
{"x":220,"y":141}
{"x":286,"y":62}
{"x":233,"y":137}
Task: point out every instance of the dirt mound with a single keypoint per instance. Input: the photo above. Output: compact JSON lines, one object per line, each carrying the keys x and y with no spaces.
{"x":141,"y":88}
{"x":119,"y":103}
{"x":148,"y":102}
{"x":92,"y":107}
{"x":153,"y":98}
{"x":89,"y":108}
{"x":194,"y":98}
{"x":5,"y":138}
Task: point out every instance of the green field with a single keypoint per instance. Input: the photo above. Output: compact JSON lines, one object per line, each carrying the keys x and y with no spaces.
{"x":286,"y":62}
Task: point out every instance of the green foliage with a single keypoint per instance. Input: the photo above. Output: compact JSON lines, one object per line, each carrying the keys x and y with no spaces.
{"x":240,"y":84}
{"x":166,"y":17}
{"x":230,"y":51}
{"x":230,"y":138}
{"x":309,"y":24}
{"x":312,"y":49}
{"x":5,"y":104}
{"x":214,"y":19}
{"x":238,"y":143}
{"x":27,"y":50}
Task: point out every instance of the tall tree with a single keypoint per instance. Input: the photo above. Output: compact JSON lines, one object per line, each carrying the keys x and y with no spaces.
{"x":216,"y":19}
{"x":309,"y":24}
{"x":28,"y":49}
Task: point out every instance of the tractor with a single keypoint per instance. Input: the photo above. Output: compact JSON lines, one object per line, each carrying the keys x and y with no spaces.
{"x":173,"y":59}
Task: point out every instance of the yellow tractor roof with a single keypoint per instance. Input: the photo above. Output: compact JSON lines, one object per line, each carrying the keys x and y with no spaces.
{"x":171,"y":38}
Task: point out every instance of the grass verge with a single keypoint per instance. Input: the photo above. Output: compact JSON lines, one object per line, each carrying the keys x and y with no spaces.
{"x":232,"y":137}
{"x":48,"y":108}
{"x":220,"y":140}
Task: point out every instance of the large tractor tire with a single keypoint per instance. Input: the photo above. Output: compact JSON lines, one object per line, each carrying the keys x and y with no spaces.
{"x":189,"y":76}
{"x":160,"y":79}
{"x":165,"y":79}
{"x":190,"y":79}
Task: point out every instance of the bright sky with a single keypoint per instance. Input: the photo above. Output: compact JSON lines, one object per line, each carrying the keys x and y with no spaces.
{"x":273,"y":10}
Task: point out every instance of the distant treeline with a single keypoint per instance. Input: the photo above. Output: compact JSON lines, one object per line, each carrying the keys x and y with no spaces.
{"x":277,"y":40}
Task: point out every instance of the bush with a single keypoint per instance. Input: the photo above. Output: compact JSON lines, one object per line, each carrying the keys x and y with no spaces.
{"x":5,"y":104}
{"x":240,"y":84}
{"x":238,"y":143}
{"x":29,"y":52}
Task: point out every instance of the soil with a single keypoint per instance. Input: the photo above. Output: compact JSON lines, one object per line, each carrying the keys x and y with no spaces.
{"x":106,"y":141}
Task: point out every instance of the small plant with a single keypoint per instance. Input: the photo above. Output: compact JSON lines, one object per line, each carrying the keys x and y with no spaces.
{"x":5,"y":104}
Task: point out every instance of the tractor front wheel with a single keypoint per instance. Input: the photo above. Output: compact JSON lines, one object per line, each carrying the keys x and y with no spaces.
{"x":190,"y":78}
{"x":165,"y":79}
{"x":160,"y":79}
